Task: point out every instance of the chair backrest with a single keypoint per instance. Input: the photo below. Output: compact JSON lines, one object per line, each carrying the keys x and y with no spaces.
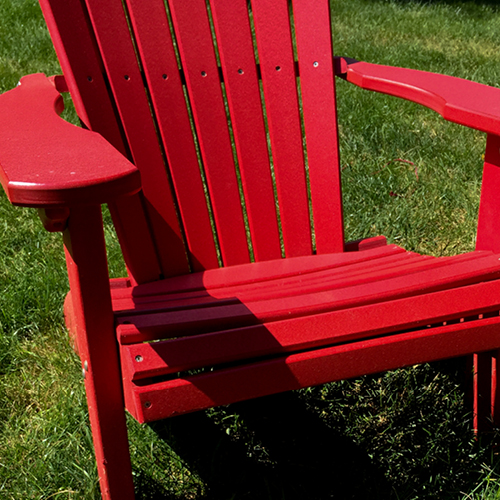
{"x":227,"y":107}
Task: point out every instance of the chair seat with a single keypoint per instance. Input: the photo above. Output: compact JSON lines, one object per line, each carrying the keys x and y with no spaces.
{"x":253,"y":320}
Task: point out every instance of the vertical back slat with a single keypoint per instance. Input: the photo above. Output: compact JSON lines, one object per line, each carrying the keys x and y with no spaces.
{"x":314,"y":46}
{"x":274,"y":44}
{"x":83,"y":71}
{"x":154,"y":42}
{"x":236,"y":50}
{"x":117,"y":49}
{"x":194,"y":38}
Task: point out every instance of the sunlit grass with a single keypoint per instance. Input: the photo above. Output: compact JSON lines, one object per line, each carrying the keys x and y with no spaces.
{"x":410,"y":429}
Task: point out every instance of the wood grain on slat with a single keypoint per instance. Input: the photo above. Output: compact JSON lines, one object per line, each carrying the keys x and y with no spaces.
{"x":317,"y":83}
{"x":274,"y":44}
{"x":194,"y":39}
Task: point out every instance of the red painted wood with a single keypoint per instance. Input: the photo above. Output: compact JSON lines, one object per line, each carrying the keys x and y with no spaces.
{"x":84,"y":75}
{"x":151,"y":28}
{"x":136,"y":240}
{"x":191,"y":321}
{"x":460,"y":101}
{"x":45,"y":161}
{"x":306,"y":332}
{"x":314,"y":46}
{"x":92,"y":318}
{"x":354,"y":274}
{"x":113,"y":37}
{"x":261,"y":271}
{"x":488,"y":229}
{"x":365,"y":244}
{"x":194,"y":39}
{"x":316,"y":318}
{"x":182,"y":395}
{"x":485,"y":391}
{"x":234,"y":40}
{"x":83,"y":69}
{"x":274,"y":44}
{"x":495,"y":389}
{"x":482,"y":392}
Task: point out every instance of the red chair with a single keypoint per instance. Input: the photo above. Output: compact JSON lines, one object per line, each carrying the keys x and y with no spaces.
{"x":240,"y":282}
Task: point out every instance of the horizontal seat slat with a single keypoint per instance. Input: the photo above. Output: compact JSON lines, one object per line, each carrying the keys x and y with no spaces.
{"x":356,"y":274}
{"x":330,"y":278}
{"x":150,"y":402}
{"x":153,"y":326}
{"x":256,"y":272}
{"x":346,"y":325}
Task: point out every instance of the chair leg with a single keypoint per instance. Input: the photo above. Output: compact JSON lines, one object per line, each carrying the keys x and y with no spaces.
{"x":495,"y":389}
{"x":485,"y":393}
{"x":94,"y":324}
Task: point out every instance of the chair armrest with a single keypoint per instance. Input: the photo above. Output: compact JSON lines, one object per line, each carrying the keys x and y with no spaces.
{"x":47,"y":162}
{"x":460,"y":101}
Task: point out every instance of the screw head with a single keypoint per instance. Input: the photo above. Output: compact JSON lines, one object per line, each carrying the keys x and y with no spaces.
{"x":138,"y":358}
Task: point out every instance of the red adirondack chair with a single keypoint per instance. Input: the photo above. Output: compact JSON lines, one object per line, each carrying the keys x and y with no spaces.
{"x":232,"y":292}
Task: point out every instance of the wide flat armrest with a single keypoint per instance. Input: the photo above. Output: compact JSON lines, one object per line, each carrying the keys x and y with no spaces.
{"x":460,"y":101}
{"x":47,"y":162}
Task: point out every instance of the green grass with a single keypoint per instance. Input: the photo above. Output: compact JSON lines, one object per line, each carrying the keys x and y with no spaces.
{"x":405,"y":434}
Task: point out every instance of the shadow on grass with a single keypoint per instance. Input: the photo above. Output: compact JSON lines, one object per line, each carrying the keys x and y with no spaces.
{"x":297,"y":456}
{"x":286,"y":447}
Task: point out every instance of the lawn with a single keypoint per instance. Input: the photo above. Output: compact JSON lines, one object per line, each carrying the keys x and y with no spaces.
{"x":406,"y":434}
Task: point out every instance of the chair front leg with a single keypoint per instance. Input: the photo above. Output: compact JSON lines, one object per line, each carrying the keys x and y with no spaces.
{"x":93,"y":319}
